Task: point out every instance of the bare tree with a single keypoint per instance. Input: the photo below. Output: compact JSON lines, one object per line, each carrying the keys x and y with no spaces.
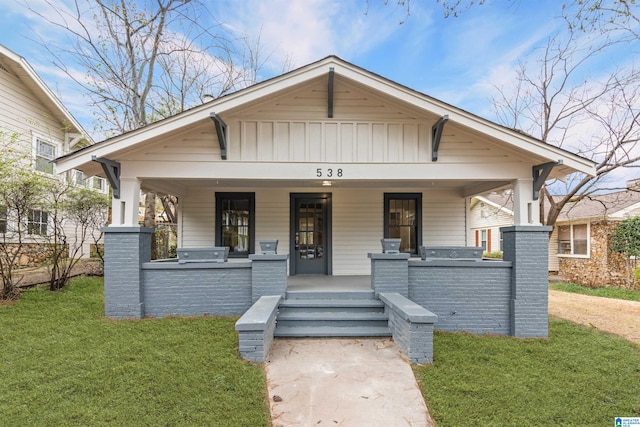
{"x":559,"y":103}
{"x":147,"y":60}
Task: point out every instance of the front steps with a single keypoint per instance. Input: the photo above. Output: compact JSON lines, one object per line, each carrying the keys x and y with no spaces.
{"x":332,"y":314}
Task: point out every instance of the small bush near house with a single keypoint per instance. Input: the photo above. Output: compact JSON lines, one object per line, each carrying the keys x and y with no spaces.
{"x":63,"y":363}
{"x":577,"y":377}
{"x":496,"y":255}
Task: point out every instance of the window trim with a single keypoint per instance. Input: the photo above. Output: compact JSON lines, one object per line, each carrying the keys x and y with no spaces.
{"x":404,"y":196}
{"x":222,"y":196}
{"x":34,"y":152}
{"x":572,"y":255}
{"x":39,"y":223}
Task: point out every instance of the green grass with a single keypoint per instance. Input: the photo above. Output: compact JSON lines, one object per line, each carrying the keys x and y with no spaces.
{"x":618,"y":293}
{"x":64,"y":364}
{"x":578,"y":377}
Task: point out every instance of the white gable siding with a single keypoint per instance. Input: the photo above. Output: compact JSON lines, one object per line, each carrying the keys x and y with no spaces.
{"x":22,"y":114}
{"x":490,"y":218}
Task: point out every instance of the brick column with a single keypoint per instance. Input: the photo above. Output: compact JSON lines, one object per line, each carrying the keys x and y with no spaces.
{"x":125,"y":249}
{"x":527,"y":247}
{"x":390,"y":273}
{"x":268,"y":275}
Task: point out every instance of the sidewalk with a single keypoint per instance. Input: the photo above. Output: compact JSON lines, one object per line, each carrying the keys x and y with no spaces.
{"x":342,"y":382}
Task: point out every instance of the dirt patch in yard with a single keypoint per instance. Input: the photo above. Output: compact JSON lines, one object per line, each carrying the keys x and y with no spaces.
{"x":619,"y":317}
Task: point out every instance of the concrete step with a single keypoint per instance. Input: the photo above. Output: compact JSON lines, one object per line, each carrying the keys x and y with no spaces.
{"x":331,"y":295}
{"x":329,"y":331}
{"x":337,"y":303}
{"x":334,"y":319}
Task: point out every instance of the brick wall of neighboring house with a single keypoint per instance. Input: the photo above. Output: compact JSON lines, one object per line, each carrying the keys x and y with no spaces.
{"x":603,"y":268}
{"x":32,"y":254}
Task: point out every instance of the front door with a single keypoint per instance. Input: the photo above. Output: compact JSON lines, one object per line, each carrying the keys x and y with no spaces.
{"x":311,"y":228}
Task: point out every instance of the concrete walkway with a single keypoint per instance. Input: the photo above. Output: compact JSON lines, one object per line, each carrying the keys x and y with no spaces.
{"x":342,"y":382}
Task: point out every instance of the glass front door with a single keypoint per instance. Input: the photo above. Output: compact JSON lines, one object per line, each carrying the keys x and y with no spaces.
{"x":310,"y":248}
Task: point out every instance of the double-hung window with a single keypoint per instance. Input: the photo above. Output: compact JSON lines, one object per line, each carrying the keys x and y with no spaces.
{"x":44,"y":153}
{"x":573,"y":239}
{"x":235,"y":222}
{"x":37,"y":222}
{"x":403,"y":219}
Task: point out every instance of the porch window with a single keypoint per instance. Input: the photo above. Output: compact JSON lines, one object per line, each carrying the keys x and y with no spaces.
{"x":403,"y":219}
{"x":37,"y":222}
{"x":235,"y":222}
{"x":573,"y":239}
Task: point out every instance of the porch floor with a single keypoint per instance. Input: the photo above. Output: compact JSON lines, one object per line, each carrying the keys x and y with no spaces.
{"x":322,"y":283}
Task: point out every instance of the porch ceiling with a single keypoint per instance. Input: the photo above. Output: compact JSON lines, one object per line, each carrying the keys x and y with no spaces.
{"x":464,"y":188}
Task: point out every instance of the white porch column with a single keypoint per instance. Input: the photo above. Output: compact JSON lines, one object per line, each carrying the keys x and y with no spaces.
{"x":124,"y":211}
{"x":526,"y":211}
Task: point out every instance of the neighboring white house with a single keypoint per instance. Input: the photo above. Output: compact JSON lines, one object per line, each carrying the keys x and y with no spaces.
{"x":34,"y":122}
{"x":487,"y":214}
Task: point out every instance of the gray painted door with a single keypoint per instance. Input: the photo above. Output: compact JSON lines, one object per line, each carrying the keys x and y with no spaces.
{"x":310,"y":235}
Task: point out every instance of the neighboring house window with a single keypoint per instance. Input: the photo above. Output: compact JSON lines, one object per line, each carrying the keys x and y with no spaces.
{"x":483,"y":239}
{"x":403,"y":219}
{"x":573,"y":239}
{"x":45,"y":152}
{"x":3,"y":220}
{"x":77,"y":177}
{"x":37,"y":223}
{"x":235,"y":222}
{"x":99,"y":184}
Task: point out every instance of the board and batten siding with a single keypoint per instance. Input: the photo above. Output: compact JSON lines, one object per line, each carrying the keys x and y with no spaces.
{"x":314,"y":141}
{"x":357,"y":220}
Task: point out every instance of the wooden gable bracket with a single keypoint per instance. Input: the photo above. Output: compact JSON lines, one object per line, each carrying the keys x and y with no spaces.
{"x":221,"y":130}
{"x":330,"y":93}
{"x":112,"y":171}
{"x":540,"y":175}
{"x":436,"y":134}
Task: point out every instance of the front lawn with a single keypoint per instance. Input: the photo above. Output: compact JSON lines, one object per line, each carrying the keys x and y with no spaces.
{"x":64,"y":364}
{"x":618,"y":293}
{"x":577,"y":377}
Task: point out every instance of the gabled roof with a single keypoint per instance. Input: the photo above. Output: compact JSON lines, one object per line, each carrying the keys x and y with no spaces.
{"x":227,"y":104}
{"x":20,"y":67}
{"x":616,"y":205}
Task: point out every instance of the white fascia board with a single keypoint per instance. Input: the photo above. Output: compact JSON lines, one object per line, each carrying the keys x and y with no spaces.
{"x":495,"y":205}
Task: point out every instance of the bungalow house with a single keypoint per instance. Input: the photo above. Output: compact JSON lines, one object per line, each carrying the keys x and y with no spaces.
{"x":327,"y":160}
{"x":36,"y":128}
{"x":579,"y":245}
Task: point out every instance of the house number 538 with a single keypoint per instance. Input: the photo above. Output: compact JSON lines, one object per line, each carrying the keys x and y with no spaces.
{"x":329,"y":173}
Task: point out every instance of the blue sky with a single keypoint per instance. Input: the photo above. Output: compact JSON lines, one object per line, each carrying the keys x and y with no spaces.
{"x":458,"y":60}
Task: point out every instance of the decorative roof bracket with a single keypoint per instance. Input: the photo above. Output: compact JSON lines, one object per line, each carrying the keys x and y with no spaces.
{"x":436,"y":134}
{"x":330,"y":94}
{"x":112,"y":171}
{"x":540,"y":175}
{"x":221,"y":130}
